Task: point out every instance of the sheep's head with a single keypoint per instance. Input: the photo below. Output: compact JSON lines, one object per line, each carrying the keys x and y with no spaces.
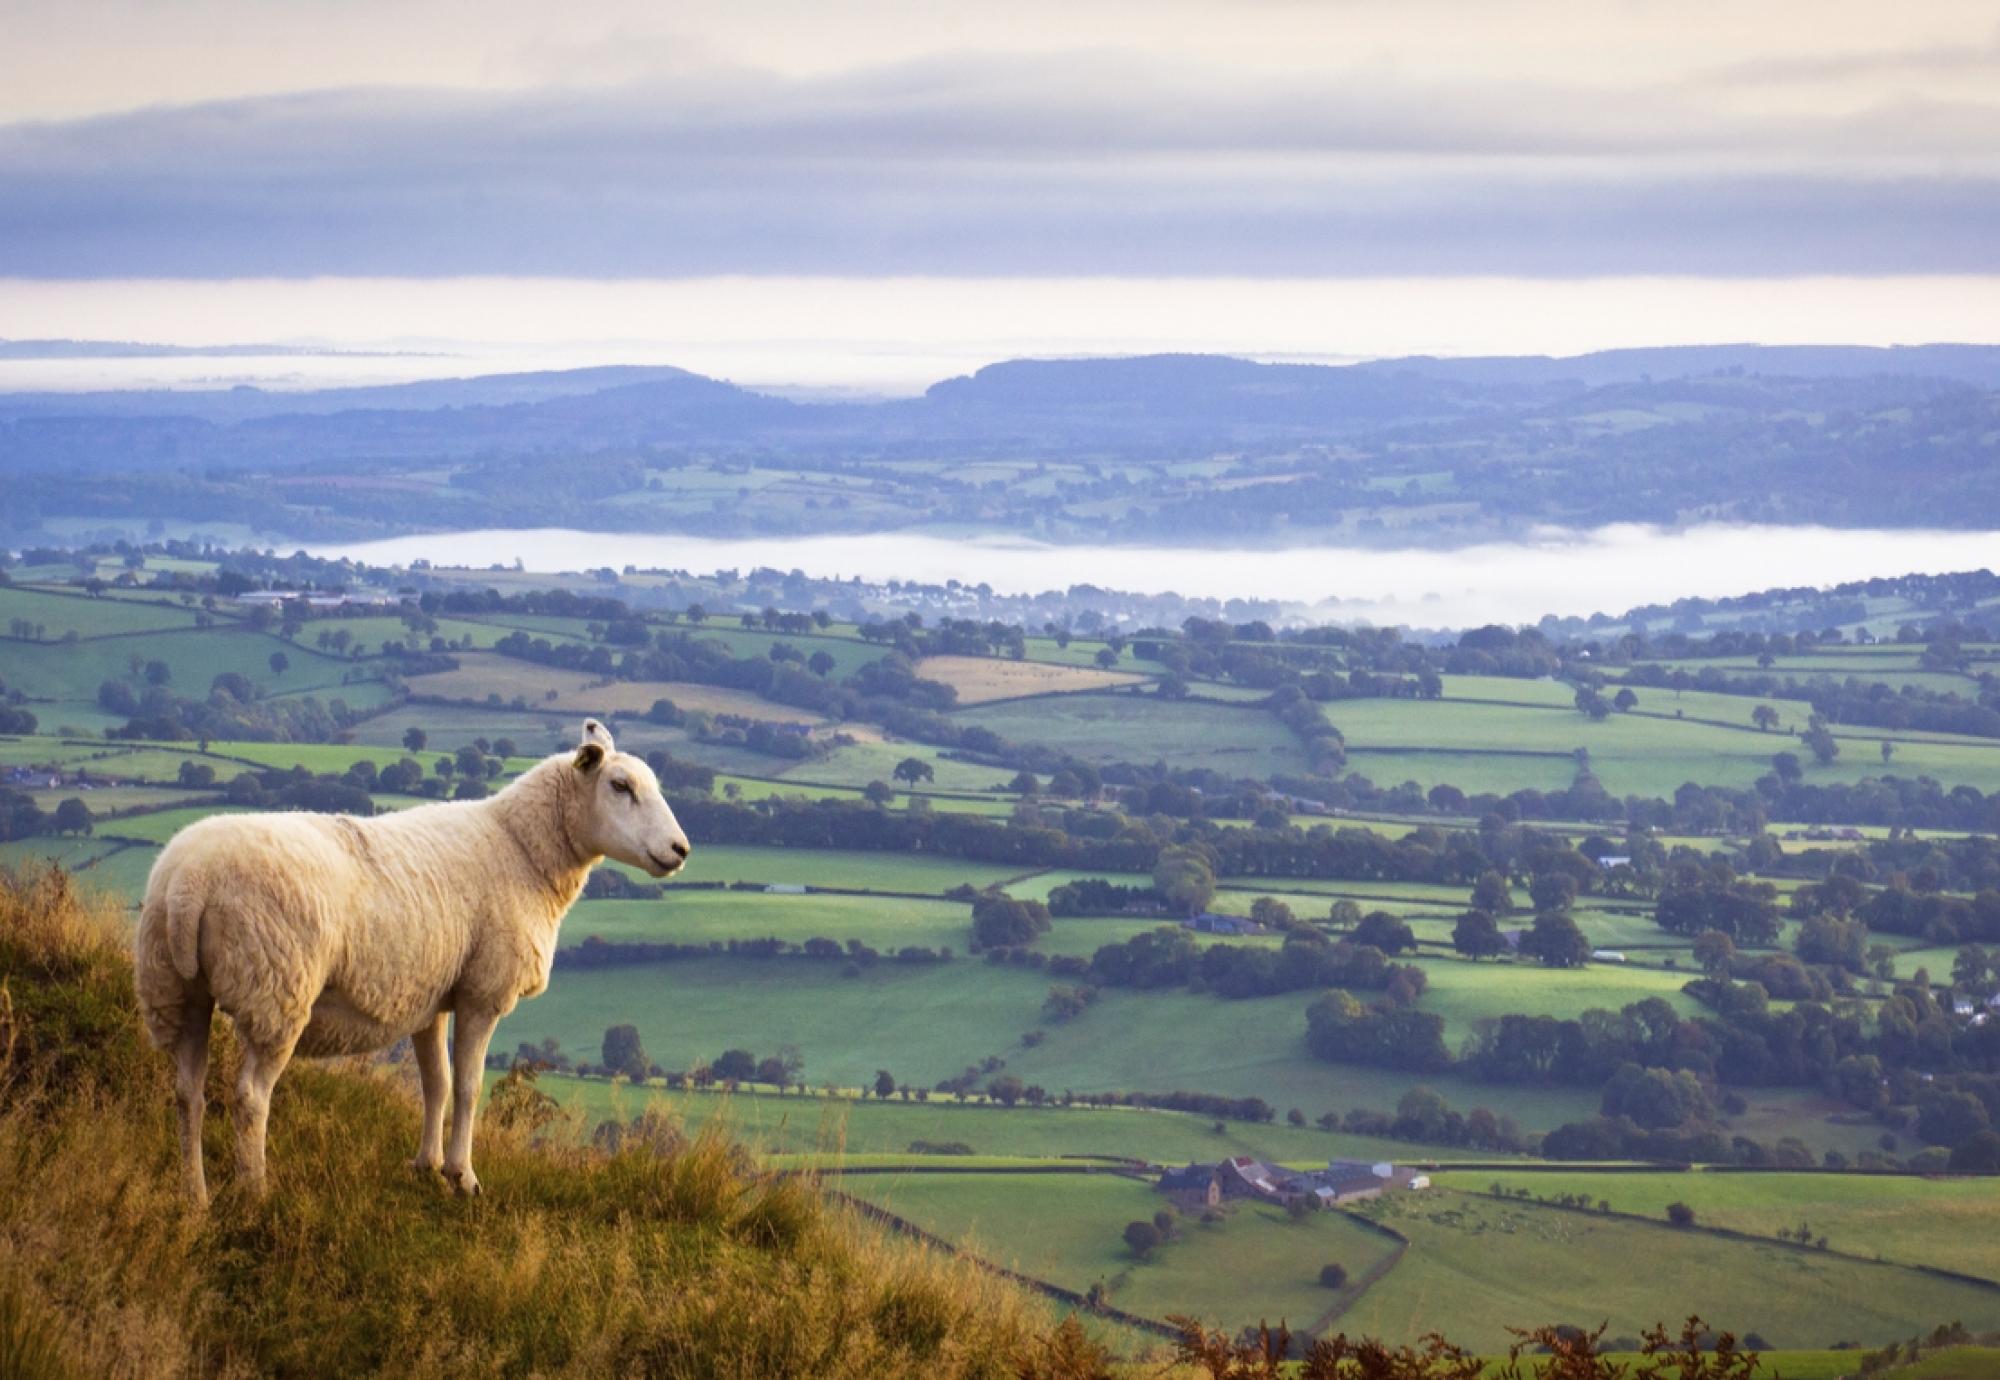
{"x":622,"y":814}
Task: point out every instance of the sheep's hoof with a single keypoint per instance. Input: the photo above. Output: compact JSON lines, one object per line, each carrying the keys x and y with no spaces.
{"x":424,"y":1168}
{"x":464,"y":1182}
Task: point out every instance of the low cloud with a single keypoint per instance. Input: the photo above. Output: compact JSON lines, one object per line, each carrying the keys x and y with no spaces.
{"x":1075,"y":165}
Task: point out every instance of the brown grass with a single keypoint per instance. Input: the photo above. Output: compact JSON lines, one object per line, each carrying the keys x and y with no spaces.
{"x":982,"y":679}
{"x":667,"y":1256}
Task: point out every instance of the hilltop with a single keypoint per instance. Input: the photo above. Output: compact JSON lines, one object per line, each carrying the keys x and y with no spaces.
{"x":1196,"y":448}
{"x":668,"y":1254}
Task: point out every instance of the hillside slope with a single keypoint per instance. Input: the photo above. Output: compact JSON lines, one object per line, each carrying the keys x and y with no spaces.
{"x":664,"y":1257}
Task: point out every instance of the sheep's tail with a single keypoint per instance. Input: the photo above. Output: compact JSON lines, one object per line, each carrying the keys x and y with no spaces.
{"x":167,"y":954}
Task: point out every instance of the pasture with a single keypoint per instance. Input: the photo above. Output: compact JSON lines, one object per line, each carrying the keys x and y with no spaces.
{"x":848,"y":1128}
{"x":1117,"y":726}
{"x":1953,"y":1223}
{"x":1254,"y":1263}
{"x":1477,"y":1266}
{"x":983,"y":679}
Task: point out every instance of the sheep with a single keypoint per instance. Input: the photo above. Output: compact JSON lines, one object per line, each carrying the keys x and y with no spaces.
{"x":325,"y":935}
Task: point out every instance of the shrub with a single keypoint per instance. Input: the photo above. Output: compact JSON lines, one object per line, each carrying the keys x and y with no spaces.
{"x":1680,"y":1214}
{"x":1333,"y":1276}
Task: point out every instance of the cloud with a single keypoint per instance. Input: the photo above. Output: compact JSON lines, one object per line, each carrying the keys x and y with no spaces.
{"x":1076,"y":164}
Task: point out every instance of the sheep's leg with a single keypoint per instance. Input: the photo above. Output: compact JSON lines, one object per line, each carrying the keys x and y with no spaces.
{"x":470,"y":1033}
{"x":435,"y":1075}
{"x":191,"y":1090}
{"x":262,"y":1064}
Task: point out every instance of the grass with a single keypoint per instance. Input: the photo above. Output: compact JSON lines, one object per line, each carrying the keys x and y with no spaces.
{"x":696,"y":917}
{"x":1477,"y":1266}
{"x":550,"y":689}
{"x":983,"y":679}
{"x":1953,"y":1223}
{"x":856,"y":1130}
{"x":865,"y":762}
{"x":1113,"y":727}
{"x":1253,"y":1264}
{"x":87,"y":617}
{"x":671,"y":1258}
{"x":913,"y":872}
{"x":1637,"y":753}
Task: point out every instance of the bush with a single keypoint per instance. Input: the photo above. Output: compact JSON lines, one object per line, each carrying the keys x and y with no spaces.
{"x":1142,"y":1237}
{"x":1333,"y":1276}
{"x":1680,"y":1214}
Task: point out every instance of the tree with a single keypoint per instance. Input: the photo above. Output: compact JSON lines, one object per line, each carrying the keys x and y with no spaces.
{"x":1592,"y":703}
{"x":1552,"y":890}
{"x":1385,"y":932}
{"x":912,"y":770}
{"x":1820,"y":740}
{"x":1141,"y":1237}
{"x":735,"y":1065}
{"x":885,"y":1083}
{"x":158,"y":673}
{"x":73,"y":817}
{"x":1625,"y":700}
{"x":1556,"y":942}
{"x":1978,"y":1154}
{"x":1106,"y":658}
{"x":1888,"y":750}
{"x":1005,"y":922}
{"x":1491,"y":893}
{"x":1185,"y":878}
{"x":1332,"y":1276}
{"x":414,"y":739}
{"x":1714,"y":951}
{"x":1006,"y":1089}
{"x":821,"y":664}
{"x":878,"y":792}
{"x":279,"y":663}
{"x":1477,"y":935}
{"x":623,"y":1053}
{"x":1765,"y":717}
{"x":1680,"y":1214}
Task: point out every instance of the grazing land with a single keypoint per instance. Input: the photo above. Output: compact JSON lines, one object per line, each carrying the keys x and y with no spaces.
{"x":1241,"y":839}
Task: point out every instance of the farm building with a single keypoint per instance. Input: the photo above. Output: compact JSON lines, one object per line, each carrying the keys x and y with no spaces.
{"x":1342,"y":1181}
{"x":1194,"y":1186}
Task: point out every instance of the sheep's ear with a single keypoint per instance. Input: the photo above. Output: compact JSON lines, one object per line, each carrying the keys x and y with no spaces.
{"x":595,"y":732}
{"x":589,"y":757}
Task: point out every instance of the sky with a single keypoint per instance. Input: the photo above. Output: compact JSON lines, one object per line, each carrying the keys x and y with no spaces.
{"x":766,"y":185}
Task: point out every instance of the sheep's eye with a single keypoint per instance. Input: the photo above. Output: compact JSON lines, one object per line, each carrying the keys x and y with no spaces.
{"x":622,"y":787}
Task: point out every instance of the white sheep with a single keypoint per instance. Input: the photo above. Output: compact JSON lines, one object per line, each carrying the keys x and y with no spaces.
{"x":326,"y":934}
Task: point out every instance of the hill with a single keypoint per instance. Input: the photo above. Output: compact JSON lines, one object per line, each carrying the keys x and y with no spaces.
{"x":670,"y":1256}
{"x":1182,"y":447}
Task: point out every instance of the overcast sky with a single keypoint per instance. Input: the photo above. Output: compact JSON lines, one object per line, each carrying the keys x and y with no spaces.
{"x":861,"y":140}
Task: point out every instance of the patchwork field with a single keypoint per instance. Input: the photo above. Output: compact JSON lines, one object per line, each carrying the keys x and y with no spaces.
{"x":1953,"y":1223}
{"x":1477,"y":1266}
{"x":1111,"y":727}
{"x":982,"y":679}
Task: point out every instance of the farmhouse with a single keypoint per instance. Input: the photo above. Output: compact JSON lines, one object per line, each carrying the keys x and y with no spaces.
{"x":1342,"y":1181}
{"x":1193,"y":1187}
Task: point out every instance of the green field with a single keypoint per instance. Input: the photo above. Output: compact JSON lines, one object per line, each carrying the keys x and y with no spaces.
{"x":911,"y":872}
{"x":1141,"y":728}
{"x":1477,"y":1266}
{"x":59,"y":614}
{"x":846,"y":1126}
{"x":1253,"y":1264}
{"x":697,"y":917}
{"x":1952,"y":1223}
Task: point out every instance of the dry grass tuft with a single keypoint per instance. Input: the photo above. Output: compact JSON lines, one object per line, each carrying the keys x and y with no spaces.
{"x":660,"y":1255}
